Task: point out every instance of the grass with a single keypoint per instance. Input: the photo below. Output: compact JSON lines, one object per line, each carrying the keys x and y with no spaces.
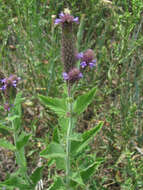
{"x":30,"y":47}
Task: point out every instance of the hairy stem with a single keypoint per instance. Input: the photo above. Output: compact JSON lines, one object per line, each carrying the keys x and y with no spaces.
{"x":68,"y":141}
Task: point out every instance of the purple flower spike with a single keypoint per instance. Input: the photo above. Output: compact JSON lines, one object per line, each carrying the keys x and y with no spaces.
{"x":83,"y":64}
{"x":65,"y":76}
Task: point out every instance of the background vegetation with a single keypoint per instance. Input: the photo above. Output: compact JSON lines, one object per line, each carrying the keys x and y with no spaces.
{"x":30,"y":48}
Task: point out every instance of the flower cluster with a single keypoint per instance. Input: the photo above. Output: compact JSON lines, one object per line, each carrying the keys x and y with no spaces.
{"x":7,"y":106}
{"x":9,"y":82}
{"x":87,"y":59}
{"x":73,"y":76}
{"x":68,"y":49}
{"x":66,"y":18}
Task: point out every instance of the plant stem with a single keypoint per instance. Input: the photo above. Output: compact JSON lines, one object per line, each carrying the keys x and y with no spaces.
{"x":18,"y":157}
{"x":68,"y":141}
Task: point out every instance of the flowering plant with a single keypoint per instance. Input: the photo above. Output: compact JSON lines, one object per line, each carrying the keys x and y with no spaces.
{"x":68,"y":143}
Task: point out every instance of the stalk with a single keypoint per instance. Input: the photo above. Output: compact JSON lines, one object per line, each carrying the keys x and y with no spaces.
{"x":26,"y":177}
{"x":68,"y":141}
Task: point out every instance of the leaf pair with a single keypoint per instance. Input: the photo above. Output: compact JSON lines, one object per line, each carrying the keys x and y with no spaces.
{"x":59,"y":106}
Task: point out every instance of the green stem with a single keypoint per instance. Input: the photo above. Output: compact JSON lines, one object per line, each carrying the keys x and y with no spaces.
{"x":68,"y":141}
{"x":17,"y":154}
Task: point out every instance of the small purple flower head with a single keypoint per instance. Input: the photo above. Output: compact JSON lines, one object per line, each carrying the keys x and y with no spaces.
{"x":7,"y":106}
{"x":66,"y":18}
{"x":73,"y":76}
{"x":10,"y":81}
{"x":87,"y":59}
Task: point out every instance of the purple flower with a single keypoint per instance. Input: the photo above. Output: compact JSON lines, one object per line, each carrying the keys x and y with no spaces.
{"x":79,"y":55}
{"x":87,"y":58}
{"x":7,"y":106}
{"x":73,"y":76}
{"x":83,"y":64}
{"x":10,"y":81}
{"x":66,"y":17}
{"x":65,"y":76}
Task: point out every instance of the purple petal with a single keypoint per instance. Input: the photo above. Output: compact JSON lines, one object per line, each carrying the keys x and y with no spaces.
{"x":80,"y":55}
{"x":3,"y":80}
{"x":76,"y":20}
{"x":80,"y":75}
{"x":65,"y":76}
{"x":58,"y":20}
{"x":92,"y":65}
{"x":3,"y":87}
{"x":83,"y":64}
{"x":61,"y":14}
{"x":94,"y":61}
{"x":14,"y":85}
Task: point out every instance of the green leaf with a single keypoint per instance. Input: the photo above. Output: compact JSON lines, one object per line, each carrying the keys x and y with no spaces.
{"x":16,"y":182}
{"x":5,"y":130}
{"x":53,"y":150}
{"x":76,"y":137}
{"x":55,"y":104}
{"x":36,"y":175}
{"x":56,"y":135}
{"x":5,"y":144}
{"x":57,"y":185}
{"x":22,"y":140}
{"x":90,"y":170}
{"x":77,"y":178}
{"x":87,"y":136}
{"x":12,"y":118}
{"x":60,"y":163}
{"x":83,"y":101}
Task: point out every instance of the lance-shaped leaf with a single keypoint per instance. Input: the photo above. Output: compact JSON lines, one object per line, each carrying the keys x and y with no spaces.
{"x":53,"y":150}
{"x":22,"y":140}
{"x":55,"y":104}
{"x":15,"y":181}
{"x":87,"y":136}
{"x":36,"y":175}
{"x":90,"y":170}
{"x":5,"y":144}
{"x":58,"y":184}
{"x":5,"y":130}
{"x":83,"y":101}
